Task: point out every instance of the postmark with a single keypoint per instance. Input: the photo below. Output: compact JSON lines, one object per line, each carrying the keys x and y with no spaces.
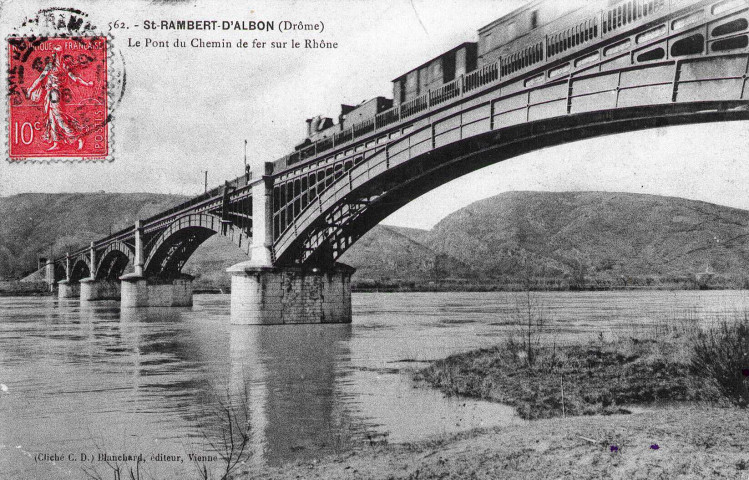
{"x":64,"y":82}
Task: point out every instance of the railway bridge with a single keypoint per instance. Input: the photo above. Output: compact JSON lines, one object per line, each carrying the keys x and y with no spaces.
{"x":624,"y":66}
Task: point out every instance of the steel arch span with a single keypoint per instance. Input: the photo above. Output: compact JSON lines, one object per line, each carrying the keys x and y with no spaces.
{"x":168,"y":252}
{"x":328,"y":228}
{"x":113,"y":261}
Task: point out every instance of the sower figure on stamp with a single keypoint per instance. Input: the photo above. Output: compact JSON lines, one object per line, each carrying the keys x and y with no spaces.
{"x":59,"y":126}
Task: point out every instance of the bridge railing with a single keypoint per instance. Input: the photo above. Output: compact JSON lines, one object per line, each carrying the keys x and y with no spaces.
{"x":483,"y":76}
{"x":566,"y":35}
{"x":446,"y":92}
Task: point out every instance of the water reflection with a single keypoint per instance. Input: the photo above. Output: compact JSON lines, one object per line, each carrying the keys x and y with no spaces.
{"x":290,"y":373}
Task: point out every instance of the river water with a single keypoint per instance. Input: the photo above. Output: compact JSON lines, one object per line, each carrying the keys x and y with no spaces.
{"x":81,"y":380}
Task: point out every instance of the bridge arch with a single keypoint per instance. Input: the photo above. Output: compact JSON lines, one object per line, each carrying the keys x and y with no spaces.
{"x":394,"y":175}
{"x":114,"y":261}
{"x":168,"y":252}
{"x":79,"y":270}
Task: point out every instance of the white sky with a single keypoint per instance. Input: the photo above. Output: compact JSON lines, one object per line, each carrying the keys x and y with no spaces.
{"x":189,"y":110}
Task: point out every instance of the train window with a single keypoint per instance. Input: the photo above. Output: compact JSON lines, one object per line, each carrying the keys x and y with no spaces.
{"x":731,"y":27}
{"x":690,"y":45}
{"x":534,"y":19}
{"x":616,"y":48}
{"x":651,"y":34}
{"x":654,"y":54}
{"x":726,"y":6}
{"x":382,"y":139}
{"x":730,"y":43}
{"x":682,"y":22}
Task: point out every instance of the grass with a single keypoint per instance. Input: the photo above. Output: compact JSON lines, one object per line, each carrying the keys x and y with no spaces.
{"x":602,"y":377}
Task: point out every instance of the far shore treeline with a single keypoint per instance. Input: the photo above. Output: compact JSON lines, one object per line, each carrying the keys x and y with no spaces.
{"x":513,"y":241}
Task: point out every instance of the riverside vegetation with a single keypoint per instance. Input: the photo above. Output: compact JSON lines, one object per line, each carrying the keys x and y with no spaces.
{"x":676,"y":361}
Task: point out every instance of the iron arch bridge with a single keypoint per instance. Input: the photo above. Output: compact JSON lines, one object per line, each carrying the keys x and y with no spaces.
{"x":633,"y":65}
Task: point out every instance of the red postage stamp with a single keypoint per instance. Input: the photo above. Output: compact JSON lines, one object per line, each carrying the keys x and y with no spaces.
{"x":57,"y":97}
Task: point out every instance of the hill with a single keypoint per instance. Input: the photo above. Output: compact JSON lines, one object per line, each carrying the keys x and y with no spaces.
{"x":595,"y":236}
{"x":33,"y":223}
{"x":567,"y":240}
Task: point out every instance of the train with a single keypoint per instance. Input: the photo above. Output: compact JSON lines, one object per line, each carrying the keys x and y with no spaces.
{"x":562,"y":35}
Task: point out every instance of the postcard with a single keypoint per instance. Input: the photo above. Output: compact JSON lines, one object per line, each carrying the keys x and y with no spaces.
{"x":399,"y":239}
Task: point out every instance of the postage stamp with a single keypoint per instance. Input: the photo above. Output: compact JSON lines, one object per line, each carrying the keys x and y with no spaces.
{"x":65,"y":80}
{"x":58,"y":98}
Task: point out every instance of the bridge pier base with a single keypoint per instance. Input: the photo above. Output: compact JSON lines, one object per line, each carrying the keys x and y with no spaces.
{"x":287,"y":295}
{"x":66,"y":289}
{"x":138,"y":291}
{"x":99,"y":290}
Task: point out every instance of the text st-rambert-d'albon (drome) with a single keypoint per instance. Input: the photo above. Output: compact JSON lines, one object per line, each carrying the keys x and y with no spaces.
{"x":233,"y":25}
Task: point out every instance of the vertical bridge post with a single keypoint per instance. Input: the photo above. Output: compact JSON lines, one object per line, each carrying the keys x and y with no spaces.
{"x":133,"y":286}
{"x":49,"y":273}
{"x":267,"y":294}
{"x":262,"y":220}
{"x":65,"y":288}
{"x":139,"y":260}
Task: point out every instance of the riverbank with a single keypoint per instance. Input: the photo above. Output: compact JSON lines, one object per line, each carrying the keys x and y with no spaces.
{"x":626,"y":407}
{"x":598,"y":378}
{"x":684,"y":442}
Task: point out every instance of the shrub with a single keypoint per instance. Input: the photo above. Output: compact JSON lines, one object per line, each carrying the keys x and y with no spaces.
{"x":721,"y":355}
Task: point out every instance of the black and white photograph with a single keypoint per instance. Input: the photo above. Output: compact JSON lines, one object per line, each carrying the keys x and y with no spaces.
{"x":397,"y":239}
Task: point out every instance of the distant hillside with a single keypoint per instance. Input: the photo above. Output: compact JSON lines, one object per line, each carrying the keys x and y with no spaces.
{"x":579,"y":239}
{"x":595,"y":234}
{"x":33,"y":223}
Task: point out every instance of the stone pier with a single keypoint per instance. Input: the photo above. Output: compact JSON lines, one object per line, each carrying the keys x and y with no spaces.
{"x":139,"y":291}
{"x":67,"y":289}
{"x":99,"y":290}
{"x":285,"y":295}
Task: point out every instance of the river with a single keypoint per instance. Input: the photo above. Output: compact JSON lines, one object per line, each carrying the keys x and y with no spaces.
{"x":81,"y":380}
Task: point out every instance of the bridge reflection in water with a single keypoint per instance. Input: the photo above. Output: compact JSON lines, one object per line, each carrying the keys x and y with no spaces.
{"x":286,"y":378}
{"x":291,"y":378}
